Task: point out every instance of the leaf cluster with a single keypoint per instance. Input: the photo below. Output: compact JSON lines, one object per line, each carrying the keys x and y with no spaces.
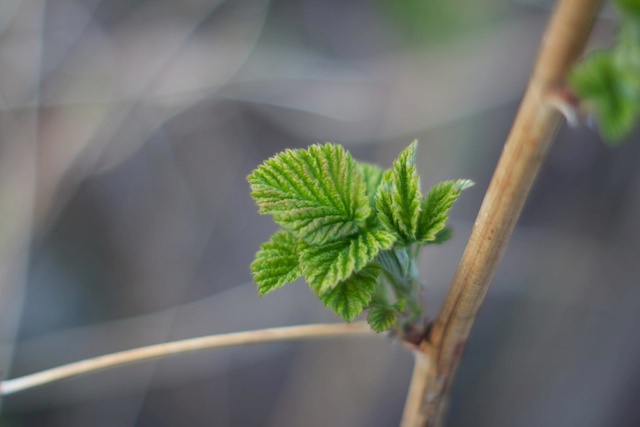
{"x":608,"y":81}
{"x":352,"y":230}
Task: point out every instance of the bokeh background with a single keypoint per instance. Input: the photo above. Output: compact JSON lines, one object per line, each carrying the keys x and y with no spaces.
{"x":127,"y":129}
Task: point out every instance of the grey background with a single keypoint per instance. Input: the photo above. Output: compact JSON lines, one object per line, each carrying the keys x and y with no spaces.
{"x":127,"y":130}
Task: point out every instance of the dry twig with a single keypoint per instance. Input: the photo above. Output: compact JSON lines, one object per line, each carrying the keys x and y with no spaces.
{"x":176,"y":347}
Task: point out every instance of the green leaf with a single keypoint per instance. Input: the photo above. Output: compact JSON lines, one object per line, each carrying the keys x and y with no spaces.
{"x":608,"y":82}
{"x":631,"y":7}
{"x":400,"y":305}
{"x":435,"y":208}
{"x":381,"y":317}
{"x":628,"y":43}
{"x":325,"y":265}
{"x":604,"y":84}
{"x":317,"y":193}
{"x":372,"y":176}
{"x":442,"y":236}
{"x":406,"y":196}
{"x":276,"y":262}
{"x":384,"y":204}
{"x":349,"y":297}
{"x":398,"y":197}
{"x":396,"y":262}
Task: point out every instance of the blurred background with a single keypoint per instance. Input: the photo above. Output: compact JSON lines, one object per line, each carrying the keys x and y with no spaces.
{"x":127,"y":129}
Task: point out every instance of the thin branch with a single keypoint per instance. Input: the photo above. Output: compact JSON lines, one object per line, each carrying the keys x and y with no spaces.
{"x":527,"y":145}
{"x":412,"y":415}
{"x":177,"y":347}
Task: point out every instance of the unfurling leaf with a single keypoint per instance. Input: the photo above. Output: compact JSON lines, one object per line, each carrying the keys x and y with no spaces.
{"x":442,"y":236}
{"x":372,"y":175}
{"x":276,"y":262}
{"x":398,"y":197}
{"x":325,"y":265}
{"x":396,"y":262}
{"x":602,"y":83}
{"x":435,"y":208}
{"x":406,"y":197}
{"x":384,"y":204}
{"x":349,"y":297}
{"x":316,"y":193}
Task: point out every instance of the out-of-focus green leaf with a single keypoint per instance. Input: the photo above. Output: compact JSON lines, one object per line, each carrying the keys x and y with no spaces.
{"x":602,"y":84}
{"x":629,"y":7}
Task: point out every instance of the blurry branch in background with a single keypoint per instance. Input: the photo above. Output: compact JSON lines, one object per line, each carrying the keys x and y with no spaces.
{"x":95,"y":364}
{"x":100,"y":120}
{"x":527,"y":145}
{"x":18,"y":170}
{"x":56,"y":132}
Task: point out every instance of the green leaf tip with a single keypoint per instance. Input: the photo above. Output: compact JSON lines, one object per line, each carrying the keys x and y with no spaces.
{"x":436,"y":206}
{"x":398,"y":197}
{"x":276,"y":262}
{"x":315,"y":193}
{"x":407,"y":196}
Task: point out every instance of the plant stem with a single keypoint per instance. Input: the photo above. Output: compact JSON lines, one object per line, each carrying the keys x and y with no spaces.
{"x":412,"y":415}
{"x":184,"y":346}
{"x":527,"y":145}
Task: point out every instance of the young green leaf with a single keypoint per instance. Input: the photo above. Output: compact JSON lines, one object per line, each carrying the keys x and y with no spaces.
{"x":381,"y":317}
{"x":372,"y":175}
{"x":349,"y":297}
{"x":276,"y":262}
{"x":630,"y":7}
{"x":435,"y":208}
{"x":396,"y":262}
{"x":317,"y":193}
{"x":400,"y":305}
{"x":604,"y":84}
{"x":406,"y":197}
{"x":442,"y":236}
{"x":384,"y":204}
{"x":343,"y":224}
{"x":325,"y":265}
{"x":608,"y":81}
{"x":398,"y":197}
